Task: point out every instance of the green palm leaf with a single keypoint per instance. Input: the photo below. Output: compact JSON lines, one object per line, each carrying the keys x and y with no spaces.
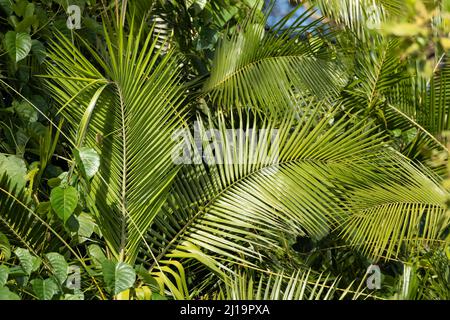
{"x":235,"y":211}
{"x":360,"y":16}
{"x":258,"y":68}
{"x":134,"y":94}
{"x":404,"y":212}
{"x":279,"y":286}
{"x":20,"y":224}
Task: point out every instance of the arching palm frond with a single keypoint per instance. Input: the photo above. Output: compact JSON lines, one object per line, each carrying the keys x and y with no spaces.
{"x":386,"y":89}
{"x":258,"y":68}
{"x":124,"y":104}
{"x":405,"y":211}
{"x":360,"y":16}
{"x":420,"y":106}
{"x":378,"y":71}
{"x":236,"y":210}
{"x":435,"y":113}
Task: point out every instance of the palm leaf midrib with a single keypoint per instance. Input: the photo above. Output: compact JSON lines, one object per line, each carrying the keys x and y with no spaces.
{"x":252,"y":64}
{"x":210,"y":201}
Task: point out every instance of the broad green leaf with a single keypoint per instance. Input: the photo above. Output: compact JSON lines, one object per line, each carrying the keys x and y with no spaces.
{"x":97,"y":255}
{"x":25,"y":111}
{"x":38,"y":51}
{"x":20,"y":7}
{"x":54,"y":182}
{"x":143,"y":293}
{"x":5,"y":248}
{"x":4,"y":272}
{"x":76,"y":296}
{"x":44,"y":289}
{"x":6,"y":5}
{"x":118,"y":276}
{"x":29,"y":10}
{"x":28,"y":262}
{"x":18,"y":44}
{"x":26,"y":24}
{"x":63,"y":177}
{"x":200,"y":3}
{"x":157,"y":296}
{"x":89,"y":161}
{"x":64,"y":200}
{"x":59,"y":265}
{"x":5,"y":294}
{"x":72,"y":223}
{"x":145,"y":275}
{"x":15,"y":169}
{"x":86,"y":226}
{"x":44,"y":207}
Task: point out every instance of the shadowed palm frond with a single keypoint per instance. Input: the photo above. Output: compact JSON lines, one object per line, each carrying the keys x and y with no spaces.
{"x":259,"y":68}
{"x":21,"y":225}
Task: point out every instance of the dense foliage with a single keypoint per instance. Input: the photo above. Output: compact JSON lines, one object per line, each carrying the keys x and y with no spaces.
{"x":331,"y":127}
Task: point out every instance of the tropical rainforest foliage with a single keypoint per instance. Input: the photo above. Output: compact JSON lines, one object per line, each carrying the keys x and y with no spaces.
{"x":93,"y":205}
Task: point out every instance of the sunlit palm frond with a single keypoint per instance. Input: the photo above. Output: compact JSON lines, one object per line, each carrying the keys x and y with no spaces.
{"x":128,"y":99}
{"x":360,"y":16}
{"x":236,"y":210}
{"x":378,"y":72}
{"x":407,"y":210}
{"x":301,"y":285}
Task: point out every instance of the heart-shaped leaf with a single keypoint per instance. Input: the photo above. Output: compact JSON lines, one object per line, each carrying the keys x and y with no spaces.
{"x":64,"y":200}
{"x":88,"y":161}
{"x":97,"y":255}
{"x":44,"y":289}
{"x":6,"y":5}
{"x":15,"y":168}
{"x":28,"y":262}
{"x":18,"y":44}
{"x":76,"y":296}
{"x":5,"y":294}
{"x":59,"y":266}
{"x":118,"y":276}
{"x":25,"y":111}
{"x":38,"y":51}
{"x":87,"y":225}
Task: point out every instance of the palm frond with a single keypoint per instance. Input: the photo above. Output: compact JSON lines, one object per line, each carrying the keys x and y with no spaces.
{"x":235,"y":210}
{"x":360,"y":16}
{"x":136,"y":108}
{"x":423,"y":101}
{"x":434,"y":115}
{"x":378,"y":73}
{"x":406,"y":211}
{"x":258,"y":68}
{"x":301,"y":285}
{"x":20,"y":224}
